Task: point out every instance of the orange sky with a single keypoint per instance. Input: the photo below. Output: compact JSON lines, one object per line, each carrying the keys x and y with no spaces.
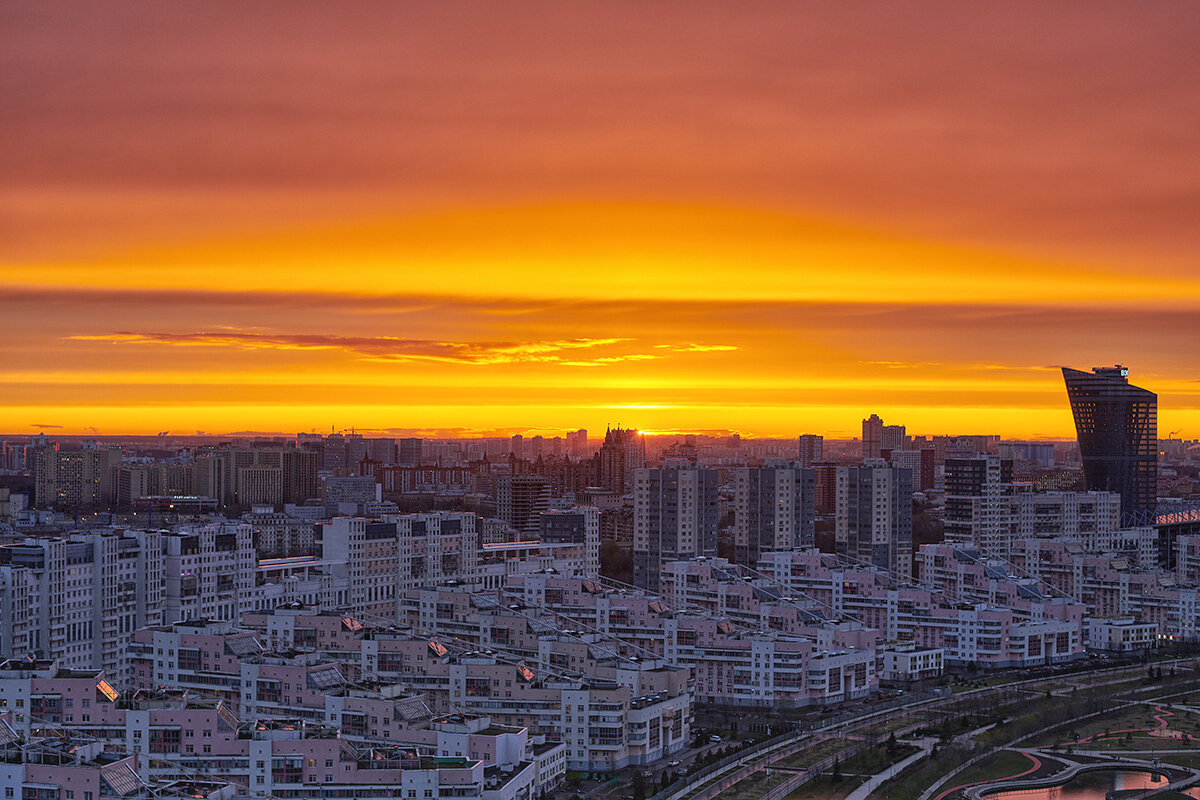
{"x":764,"y":217}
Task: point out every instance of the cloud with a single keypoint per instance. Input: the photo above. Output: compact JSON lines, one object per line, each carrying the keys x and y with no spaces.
{"x":602,"y":360}
{"x":376,"y":348}
{"x":42,"y":425}
{"x":696,"y":348}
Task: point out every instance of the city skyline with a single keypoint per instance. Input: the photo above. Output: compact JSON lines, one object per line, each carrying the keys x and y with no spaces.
{"x":771,"y":219}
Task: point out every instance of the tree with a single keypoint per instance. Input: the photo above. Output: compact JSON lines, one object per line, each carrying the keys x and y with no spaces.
{"x":639,"y":787}
{"x":891,"y":745}
{"x":836,"y":775}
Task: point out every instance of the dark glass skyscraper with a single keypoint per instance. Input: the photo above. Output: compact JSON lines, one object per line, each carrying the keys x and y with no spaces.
{"x":1117,"y":426}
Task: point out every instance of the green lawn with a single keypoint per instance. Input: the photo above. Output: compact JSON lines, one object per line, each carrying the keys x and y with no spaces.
{"x":755,"y":786}
{"x":1182,"y":759}
{"x":909,"y":784}
{"x":1138,"y":718}
{"x":811,"y":755}
{"x":995,"y":767}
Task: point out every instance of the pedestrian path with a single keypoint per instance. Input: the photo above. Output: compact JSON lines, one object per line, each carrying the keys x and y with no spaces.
{"x":873,"y":783}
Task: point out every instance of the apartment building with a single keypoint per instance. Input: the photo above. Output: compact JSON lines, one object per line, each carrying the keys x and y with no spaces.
{"x":774,"y":509}
{"x":640,"y":716}
{"x":80,"y":597}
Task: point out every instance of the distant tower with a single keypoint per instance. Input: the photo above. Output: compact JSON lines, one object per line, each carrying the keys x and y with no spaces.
{"x":979,"y":503}
{"x":520,"y":499}
{"x":674,"y":517}
{"x":872,"y":436}
{"x":873,"y":524}
{"x":812,"y":448}
{"x":1117,"y":426}
{"x":623,"y":451}
{"x":774,"y":509}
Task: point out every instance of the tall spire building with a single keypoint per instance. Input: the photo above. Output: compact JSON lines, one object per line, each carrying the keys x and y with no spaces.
{"x":1117,"y":426}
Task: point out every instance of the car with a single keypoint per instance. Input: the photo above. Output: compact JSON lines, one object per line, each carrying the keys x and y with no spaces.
{"x":672,"y":764}
{"x":714,"y":738}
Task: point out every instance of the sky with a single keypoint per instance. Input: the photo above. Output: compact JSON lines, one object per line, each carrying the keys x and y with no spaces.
{"x":762,"y":217}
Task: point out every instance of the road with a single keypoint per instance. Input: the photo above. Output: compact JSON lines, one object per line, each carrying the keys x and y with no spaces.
{"x":858,"y":716}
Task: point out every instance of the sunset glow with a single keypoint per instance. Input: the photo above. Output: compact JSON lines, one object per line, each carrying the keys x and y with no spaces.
{"x":773,"y":218}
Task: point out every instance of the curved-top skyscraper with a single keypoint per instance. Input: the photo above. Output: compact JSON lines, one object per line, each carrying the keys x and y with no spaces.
{"x":1117,"y":426}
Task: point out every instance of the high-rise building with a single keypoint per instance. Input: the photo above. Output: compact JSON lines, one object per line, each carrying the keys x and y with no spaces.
{"x":209,"y":476}
{"x":379,"y":450}
{"x":1042,"y":453}
{"x":299,"y":475}
{"x":579,"y":525}
{"x":77,"y":600}
{"x":258,"y":485}
{"x":335,"y":454}
{"x":812,"y":449}
{"x":68,"y":480}
{"x":892,"y":437}
{"x":520,"y":499}
{"x":623,"y":452}
{"x":981,"y":510}
{"x":577,"y":443}
{"x":825,"y":487}
{"x":774,"y":509}
{"x":921,"y":462}
{"x":1117,"y":426}
{"x":674,"y":517}
{"x":873,"y":524}
{"x":409,"y":452}
{"x":872,"y":436}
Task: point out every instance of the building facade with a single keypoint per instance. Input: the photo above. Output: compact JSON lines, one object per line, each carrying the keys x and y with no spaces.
{"x":1117,"y":426}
